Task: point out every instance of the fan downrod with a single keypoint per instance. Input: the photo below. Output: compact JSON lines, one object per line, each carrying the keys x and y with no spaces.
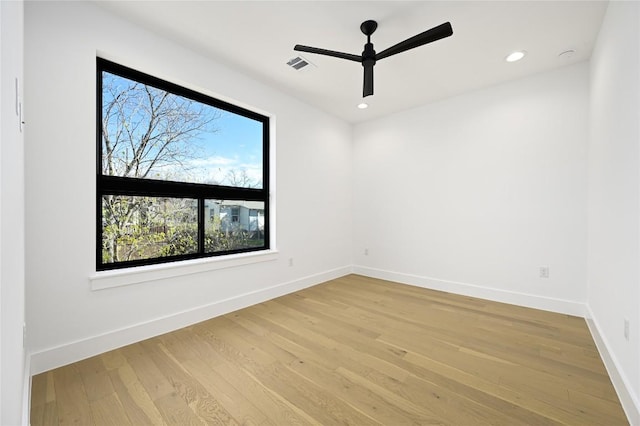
{"x":368,"y":27}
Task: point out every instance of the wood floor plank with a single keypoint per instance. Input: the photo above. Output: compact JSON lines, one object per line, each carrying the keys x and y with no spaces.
{"x":238,"y":406}
{"x":95,"y":377}
{"x":71,"y":399}
{"x":39,"y":390}
{"x":44,"y":410}
{"x":150,"y":376}
{"x":514,"y":353}
{"x":113,"y":360}
{"x":134,"y":399}
{"x":175,"y":411}
{"x":203,"y":404}
{"x":108,"y":411}
{"x":314,"y":400}
{"x":278,"y":410}
{"x":319,"y":366}
{"x":46,"y":414}
{"x":351,"y":351}
{"x":465,"y":412}
{"x":516,"y":397}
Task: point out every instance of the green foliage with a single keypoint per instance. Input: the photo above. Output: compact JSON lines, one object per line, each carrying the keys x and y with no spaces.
{"x":219,"y":240}
{"x":181,"y":241}
{"x":148,"y":227}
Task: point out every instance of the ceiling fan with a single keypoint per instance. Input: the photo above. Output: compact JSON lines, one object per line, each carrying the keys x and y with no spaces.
{"x":369,"y":56}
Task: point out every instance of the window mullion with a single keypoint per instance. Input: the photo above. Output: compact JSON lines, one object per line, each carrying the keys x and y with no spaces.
{"x":201,"y":225}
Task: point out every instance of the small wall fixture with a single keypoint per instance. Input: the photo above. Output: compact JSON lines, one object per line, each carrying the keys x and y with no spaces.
{"x":515,"y":56}
{"x":363,"y":106}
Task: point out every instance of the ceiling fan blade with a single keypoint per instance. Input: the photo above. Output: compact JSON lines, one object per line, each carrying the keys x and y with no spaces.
{"x":367,"y":89}
{"x":434,"y":34}
{"x":326,"y":52}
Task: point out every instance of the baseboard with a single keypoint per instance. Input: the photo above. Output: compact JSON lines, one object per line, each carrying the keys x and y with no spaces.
{"x":630,"y":402}
{"x":75,"y":351}
{"x":498,"y":295}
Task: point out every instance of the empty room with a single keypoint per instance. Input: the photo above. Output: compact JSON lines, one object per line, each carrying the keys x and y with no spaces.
{"x":320,"y":212}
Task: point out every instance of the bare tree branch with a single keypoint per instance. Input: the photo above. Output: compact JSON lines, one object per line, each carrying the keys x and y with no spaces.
{"x":146,"y":133}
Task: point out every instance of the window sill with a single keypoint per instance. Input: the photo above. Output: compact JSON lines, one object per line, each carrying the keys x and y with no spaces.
{"x":108,"y":279}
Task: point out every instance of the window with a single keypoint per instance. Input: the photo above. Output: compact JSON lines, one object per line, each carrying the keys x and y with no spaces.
{"x":235,"y":214}
{"x":180,"y":175}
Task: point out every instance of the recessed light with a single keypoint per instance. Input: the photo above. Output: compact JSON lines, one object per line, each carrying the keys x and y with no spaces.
{"x":515,"y":56}
{"x":363,"y":106}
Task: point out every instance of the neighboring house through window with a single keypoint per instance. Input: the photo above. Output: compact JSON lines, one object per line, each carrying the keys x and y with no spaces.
{"x":180,"y":175}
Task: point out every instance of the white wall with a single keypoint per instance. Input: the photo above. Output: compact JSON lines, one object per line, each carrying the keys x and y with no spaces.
{"x":474,"y":193}
{"x":68,"y":320}
{"x":614,"y":195}
{"x":471,"y":194}
{"x":12,"y":285}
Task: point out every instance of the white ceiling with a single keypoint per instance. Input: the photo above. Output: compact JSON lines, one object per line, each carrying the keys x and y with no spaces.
{"x":257,"y":38}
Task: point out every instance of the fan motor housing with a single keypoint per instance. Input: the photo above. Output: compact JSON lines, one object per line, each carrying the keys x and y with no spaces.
{"x":368,"y":55}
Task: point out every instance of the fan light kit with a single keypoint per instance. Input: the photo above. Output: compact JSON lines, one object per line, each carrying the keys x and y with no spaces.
{"x":369,"y":56}
{"x":363,"y":106}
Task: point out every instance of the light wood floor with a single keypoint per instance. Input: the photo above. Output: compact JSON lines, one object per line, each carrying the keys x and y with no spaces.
{"x":353,"y":351}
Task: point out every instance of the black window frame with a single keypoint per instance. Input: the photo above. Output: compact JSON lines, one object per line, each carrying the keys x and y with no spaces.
{"x":129,"y":186}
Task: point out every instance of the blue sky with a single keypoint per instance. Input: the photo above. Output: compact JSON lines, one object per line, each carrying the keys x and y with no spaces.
{"x":235,"y":145}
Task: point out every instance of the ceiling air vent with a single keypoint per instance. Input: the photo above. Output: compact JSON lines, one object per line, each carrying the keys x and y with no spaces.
{"x":298,"y":63}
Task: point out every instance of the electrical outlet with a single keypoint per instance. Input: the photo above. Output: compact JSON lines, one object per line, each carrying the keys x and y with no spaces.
{"x":366,"y":252}
{"x":291,"y":261}
{"x":626,"y":329}
{"x":544,"y":272}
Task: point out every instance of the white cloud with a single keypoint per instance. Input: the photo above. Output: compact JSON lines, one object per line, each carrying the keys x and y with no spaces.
{"x":215,"y":161}
{"x":215,"y":169}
